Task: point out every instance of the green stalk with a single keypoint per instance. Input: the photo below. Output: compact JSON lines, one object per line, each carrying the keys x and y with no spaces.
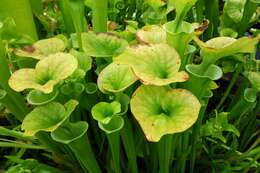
{"x":195,"y":136}
{"x":239,"y":109}
{"x":67,"y":18}
{"x":250,"y":128}
{"x":21,"y":145}
{"x":15,"y":134}
{"x":153,"y":164}
{"x":36,"y":6}
{"x":183,"y":157}
{"x":199,"y":11}
{"x":21,"y":12}
{"x":99,"y":8}
{"x":212,"y":14}
{"x":51,"y":145}
{"x":77,"y":12}
{"x":239,"y":93}
{"x":83,"y":152}
{"x":165,"y":153}
{"x":230,"y":86}
{"x":114,"y":144}
{"x":128,"y":141}
{"x":14,"y":101}
{"x":249,"y":10}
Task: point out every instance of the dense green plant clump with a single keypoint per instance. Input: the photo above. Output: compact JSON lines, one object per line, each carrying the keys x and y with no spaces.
{"x":128,"y":86}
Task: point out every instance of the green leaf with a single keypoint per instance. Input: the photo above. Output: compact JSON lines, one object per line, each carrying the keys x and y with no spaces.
{"x":104,"y":111}
{"x":116,"y":78}
{"x":160,"y":111}
{"x":220,"y":47}
{"x":42,"y":48}
{"x":228,"y":32}
{"x":151,"y":34}
{"x":154,"y":64}
{"x":214,"y":127}
{"x":124,"y":100}
{"x":36,"y":97}
{"x":85,"y":61}
{"x":70,"y":132}
{"x":183,"y":6}
{"x":47,"y":73}
{"x":115,"y":124}
{"x":47,"y":117}
{"x":235,"y":9}
{"x":103,"y":44}
{"x":179,"y":35}
{"x":213,"y":72}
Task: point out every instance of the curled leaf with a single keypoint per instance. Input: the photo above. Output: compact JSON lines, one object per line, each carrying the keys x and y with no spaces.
{"x":151,"y":34}
{"x":42,"y":48}
{"x":104,"y":111}
{"x":47,"y":73}
{"x":84,"y":61}
{"x":65,"y":136}
{"x":103,"y":44}
{"x":115,"y":124}
{"x":47,"y":117}
{"x":220,"y":47}
{"x":154,"y":64}
{"x":116,"y":78}
{"x":160,"y":111}
{"x":36,"y":97}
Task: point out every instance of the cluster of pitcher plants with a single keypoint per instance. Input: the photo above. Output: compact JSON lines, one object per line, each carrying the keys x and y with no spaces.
{"x":129,"y":86}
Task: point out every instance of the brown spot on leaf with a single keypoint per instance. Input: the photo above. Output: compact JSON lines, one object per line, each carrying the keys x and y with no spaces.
{"x":29,"y":49}
{"x":202,"y":27}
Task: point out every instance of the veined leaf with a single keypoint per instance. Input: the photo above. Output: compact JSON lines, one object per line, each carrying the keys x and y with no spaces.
{"x":151,"y":34}
{"x":47,"y":117}
{"x":42,"y":48}
{"x":116,"y":78}
{"x":220,"y":47}
{"x":160,"y":111}
{"x":104,"y":111}
{"x":154,"y":64}
{"x":103,"y":44}
{"x":47,"y":73}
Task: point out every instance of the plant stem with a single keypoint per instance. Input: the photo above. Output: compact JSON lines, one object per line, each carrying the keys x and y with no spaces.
{"x":128,"y":141}
{"x":67,"y":18}
{"x":100,"y":18}
{"x":77,"y":13}
{"x":114,"y":143}
{"x":195,"y":135}
{"x":165,"y":153}
{"x":36,"y":6}
{"x":7,"y":132}
{"x":21,"y":12}
{"x":230,"y":86}
{"x":239,"y":109}
{"x":249,"y":10}
{"x":83,"y":152}
{"x":21,"y":145}
{"x":51,"y":145}
{"x":212,"y":14}
{"x":199,"y":11}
